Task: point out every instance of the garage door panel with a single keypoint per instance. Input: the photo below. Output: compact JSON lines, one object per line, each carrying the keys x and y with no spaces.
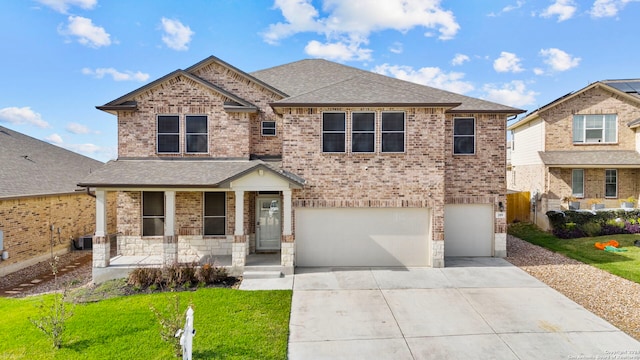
{"x":468,"y":230}
{"x":362,"y":237}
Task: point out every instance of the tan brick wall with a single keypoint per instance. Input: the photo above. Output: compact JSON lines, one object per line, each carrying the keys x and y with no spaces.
{"x":26,"y":224}
{"x":594,"y":183}
{"x":594,"y":101}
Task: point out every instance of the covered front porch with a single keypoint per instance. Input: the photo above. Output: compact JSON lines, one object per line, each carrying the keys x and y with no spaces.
{"x":242,"y":221}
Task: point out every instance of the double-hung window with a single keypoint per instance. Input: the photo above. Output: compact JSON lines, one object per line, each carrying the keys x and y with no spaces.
{"x":268,"y":128}
{"x":611,"y":183}
{"x":595,"y":128}
{"x":215,"y":213}
{"x":333,"y":132}
{"x":363,"y":132}
{"x":168,"y":134}
{"x":196,"y":136}
{"x":393,"y":130}
{"x":464,"y":136}
{"x":577,"y":183}
{"x":152,"y":213}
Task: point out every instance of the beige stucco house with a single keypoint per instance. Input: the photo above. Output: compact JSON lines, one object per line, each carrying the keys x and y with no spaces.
{"x":583,"y":145}
{"x":321,"y":163}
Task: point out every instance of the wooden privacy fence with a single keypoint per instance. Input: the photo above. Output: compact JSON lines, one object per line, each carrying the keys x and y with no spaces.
{"x":518,"y":206}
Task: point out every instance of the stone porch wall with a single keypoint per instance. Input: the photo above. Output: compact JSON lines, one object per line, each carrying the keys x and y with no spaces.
{"x":190,"y":247}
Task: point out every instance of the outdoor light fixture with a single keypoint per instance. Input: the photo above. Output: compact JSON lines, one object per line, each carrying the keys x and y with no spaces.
{"x":500,"y":206}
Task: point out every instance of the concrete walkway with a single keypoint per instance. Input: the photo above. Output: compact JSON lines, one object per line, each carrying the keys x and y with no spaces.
{"x":474,"y":308}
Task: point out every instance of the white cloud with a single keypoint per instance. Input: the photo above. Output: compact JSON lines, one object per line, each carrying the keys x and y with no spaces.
{"x":351,"y":22}
{"x":514,"y":94}
{"x":507,"y":62}
{"x":62,"y":6}
{"x":99,"y":73}
{"x":430,"y":76}
{"x":396,"y":48}
{"x":54,"y":139}
{"x":538,"y":71}
{"x":76,"y":128}
{"x":608,"y":8}
{"x":338,"y":51}
{"x":559,"y":60}
{"x":176,"y":36}
{"x":459,"y":59}
{"x":509,"y":8}
{"x":564,"y":9}
{"x":23,"y":115}
{"x":86,"y":32}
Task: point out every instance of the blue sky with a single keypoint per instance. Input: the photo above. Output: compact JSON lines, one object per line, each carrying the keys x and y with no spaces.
{"x":61,"y":58}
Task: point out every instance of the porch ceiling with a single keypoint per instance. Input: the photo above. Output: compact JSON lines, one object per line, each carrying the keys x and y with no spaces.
{"x":591,"y":159}
{"x":159,"y":173}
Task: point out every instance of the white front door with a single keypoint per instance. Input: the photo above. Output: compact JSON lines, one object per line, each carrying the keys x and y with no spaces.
{"x":268,"y":223}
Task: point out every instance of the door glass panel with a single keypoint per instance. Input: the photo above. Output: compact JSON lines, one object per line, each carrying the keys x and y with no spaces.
{"x":269,"y":224}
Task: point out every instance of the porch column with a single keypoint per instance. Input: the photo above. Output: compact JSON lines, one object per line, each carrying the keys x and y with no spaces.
{"x":101,"y":245}
{"x":287,"y":246}
{"x":170,"y":240}
{"x":239,"y":249}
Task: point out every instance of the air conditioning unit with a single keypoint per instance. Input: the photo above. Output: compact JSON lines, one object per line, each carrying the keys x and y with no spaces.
{"x":85,"y":242}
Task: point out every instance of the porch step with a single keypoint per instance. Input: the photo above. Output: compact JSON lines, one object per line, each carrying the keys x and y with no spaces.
{"x":262,"y":274}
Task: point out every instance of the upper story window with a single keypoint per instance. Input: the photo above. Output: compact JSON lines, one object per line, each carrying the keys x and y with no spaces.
{"x":168,"y":134}
{"x":464,"y":136}
{"x":363,"y":132}
{"x":595,"y":129}
{"x":393,"y":132}
{"x":196,"y":134}
{"x":268,"y":128}
{"x":333,"y":132}
{"x":215,"y":210}
{"x":152,"y":213}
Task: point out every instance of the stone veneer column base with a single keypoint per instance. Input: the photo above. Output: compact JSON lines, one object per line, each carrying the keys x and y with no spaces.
{"x":238,"y":254}
{"x":500,"y":247}
{"x":287,"y":256}
{"x":437,"y":254}
{"x":101,"y":251}
{"x":169,"y":250}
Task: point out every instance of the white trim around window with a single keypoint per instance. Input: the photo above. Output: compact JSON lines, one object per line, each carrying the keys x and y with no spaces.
{"x":610,"y":183}
{"x":595,"y":129}
{"x":577,"y":183}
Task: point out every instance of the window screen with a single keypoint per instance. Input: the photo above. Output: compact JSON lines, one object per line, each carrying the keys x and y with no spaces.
{"x":215,"y":209}
{"x":393,"y":132}
{"x":333,"y":132}
{"x":168,"y":134}
{"x":152,"y":213}
{"x":363,"y":131}
{"x":196,"y":134}
{"x":464,"y":136}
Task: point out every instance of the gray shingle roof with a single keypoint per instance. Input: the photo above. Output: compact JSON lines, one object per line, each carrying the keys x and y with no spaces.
{"x":34,"y":167}
{"x":317,"y":81}
{"x":613,"y":158}
{"x":177,"y":173}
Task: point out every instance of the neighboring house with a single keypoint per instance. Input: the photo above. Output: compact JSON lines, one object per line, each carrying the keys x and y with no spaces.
{"x":41,"y":206}
{"x":583,"y":145}
{"x":326,"y":164}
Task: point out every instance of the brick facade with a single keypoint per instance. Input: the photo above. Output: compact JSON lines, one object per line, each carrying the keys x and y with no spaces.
{"x":26,"y":223}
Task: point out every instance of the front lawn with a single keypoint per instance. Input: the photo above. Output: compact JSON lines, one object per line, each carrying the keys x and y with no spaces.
{"x":624,"y":264}
{"x":230,"y":324}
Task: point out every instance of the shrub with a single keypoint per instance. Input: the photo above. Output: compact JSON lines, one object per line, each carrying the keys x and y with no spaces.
{"x":591,"y":229}
{"x":211,"y":273}
{"x":143,"y":277}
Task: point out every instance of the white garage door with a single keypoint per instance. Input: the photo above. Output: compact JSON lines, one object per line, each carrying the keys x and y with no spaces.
{"x":468,"y":230}
{"x":362,"y":237}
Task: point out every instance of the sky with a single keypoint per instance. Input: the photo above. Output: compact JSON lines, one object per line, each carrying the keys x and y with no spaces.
{"x":62,"y":58}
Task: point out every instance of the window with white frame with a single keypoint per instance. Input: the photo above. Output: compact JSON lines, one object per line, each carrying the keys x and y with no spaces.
{"x":611,"y":183}
{"x":196,"y":134}
{"x":333,"y":132}
{"x":152,"y":213}
{"x":393,"y":131}
{"x":577,"y":183}
{"x":168,"y":130}
{"x":215,"y":213}
{"x":595,"y":128}
{"x":363,"y":132}
{"x":464,"y":136}
{"x":268,"y":128}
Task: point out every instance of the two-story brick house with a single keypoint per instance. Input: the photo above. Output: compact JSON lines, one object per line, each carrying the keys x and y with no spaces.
{"x":583,"y":145}
{"x":327,"y":164}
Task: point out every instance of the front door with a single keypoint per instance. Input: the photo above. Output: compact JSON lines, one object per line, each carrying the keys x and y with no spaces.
{"x":268,"y":227}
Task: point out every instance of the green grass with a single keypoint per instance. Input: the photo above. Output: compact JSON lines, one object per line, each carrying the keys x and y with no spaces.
{"x":230,"y":324}
{"x":624,"y":264}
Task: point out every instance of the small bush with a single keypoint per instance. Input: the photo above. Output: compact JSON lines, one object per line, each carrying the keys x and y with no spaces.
{"x":591,"y":229}
{"x":143,"y":277}
{"x":211,"y":273}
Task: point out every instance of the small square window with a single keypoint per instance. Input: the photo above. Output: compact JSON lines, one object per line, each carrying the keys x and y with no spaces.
{"x":268,"y":128}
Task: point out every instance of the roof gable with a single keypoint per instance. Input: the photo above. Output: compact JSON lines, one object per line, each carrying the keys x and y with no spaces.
{"x":34,"y":167}
{"x":127,"y":102}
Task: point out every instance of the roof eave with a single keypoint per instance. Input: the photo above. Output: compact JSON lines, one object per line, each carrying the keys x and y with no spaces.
{"x":281,"y":105}
{"x":501,"y":111}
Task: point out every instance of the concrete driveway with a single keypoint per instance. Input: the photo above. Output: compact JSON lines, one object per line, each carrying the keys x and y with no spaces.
{"x":474,"y":308}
